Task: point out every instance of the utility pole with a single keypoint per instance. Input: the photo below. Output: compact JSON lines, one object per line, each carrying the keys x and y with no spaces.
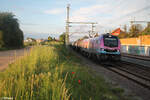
{"x":67,"y":26}
{"x":93,"y":28}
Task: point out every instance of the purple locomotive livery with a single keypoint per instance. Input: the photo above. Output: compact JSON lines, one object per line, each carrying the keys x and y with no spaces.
{"x":103,"y":47}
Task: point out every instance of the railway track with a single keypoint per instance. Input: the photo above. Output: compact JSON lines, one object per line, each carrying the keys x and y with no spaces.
{"x":139,"y":69}
{"x":139,"y":75}
{"x":146,"y":58}
{"x":134,"y":77}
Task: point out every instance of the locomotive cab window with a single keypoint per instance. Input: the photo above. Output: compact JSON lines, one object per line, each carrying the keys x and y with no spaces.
{"x":110,"y":41}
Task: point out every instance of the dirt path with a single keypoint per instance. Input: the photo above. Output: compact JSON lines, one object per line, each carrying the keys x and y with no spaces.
{"x":7,"y":57}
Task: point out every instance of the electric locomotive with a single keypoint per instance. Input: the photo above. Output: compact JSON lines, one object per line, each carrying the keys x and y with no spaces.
{"x":103,"y":47}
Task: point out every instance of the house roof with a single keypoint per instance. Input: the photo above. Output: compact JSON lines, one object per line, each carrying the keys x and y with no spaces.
{"x":117,"y":31}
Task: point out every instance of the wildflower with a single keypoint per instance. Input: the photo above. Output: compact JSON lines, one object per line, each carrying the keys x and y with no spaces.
{"x":79,"y":81}
{"x":73,"y":72}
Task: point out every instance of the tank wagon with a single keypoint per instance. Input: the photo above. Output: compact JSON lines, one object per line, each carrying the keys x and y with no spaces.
{"x":104,"y":47}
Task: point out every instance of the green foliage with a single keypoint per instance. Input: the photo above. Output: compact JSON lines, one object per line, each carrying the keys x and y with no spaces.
{"x":146,"y":31}
{"x":35,"y":77}
{"x":46,"y":74}
{"x":12,"y":35}
{"x":50,"y":38}
{"x":30,"y":43}
{"x":62,"y":37}
{"x":135,"y":30}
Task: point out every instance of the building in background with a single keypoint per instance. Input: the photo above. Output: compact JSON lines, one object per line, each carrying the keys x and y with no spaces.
{"x":39,"y":40}
{"x":117,"y":32}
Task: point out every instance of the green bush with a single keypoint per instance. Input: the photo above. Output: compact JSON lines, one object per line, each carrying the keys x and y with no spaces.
{"x":12,"y":35}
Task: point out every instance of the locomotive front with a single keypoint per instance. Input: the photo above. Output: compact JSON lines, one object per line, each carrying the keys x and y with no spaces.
{"x":110,"y":47}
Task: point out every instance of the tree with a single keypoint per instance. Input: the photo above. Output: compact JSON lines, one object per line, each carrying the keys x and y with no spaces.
{"x":62,"y":37}
{"x":54,"y":39}
{"x":12,"y":34}
{"x":50,"y":38}
{"x":1,"y":39}
{"x":146,"y":31}
{"x":125,"y":28}
{"x":135,"y":30}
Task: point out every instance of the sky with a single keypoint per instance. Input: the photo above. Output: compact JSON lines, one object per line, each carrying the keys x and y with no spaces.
{"x":41,"y":18}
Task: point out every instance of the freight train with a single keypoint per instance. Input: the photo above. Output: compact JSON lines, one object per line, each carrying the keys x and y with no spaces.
{"x":104,"y":47}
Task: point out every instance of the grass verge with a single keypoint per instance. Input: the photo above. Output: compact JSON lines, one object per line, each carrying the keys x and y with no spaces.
{"x":53,"y":73}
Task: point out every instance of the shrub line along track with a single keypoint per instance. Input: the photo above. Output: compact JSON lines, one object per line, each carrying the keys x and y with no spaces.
{"x":125,"y":71}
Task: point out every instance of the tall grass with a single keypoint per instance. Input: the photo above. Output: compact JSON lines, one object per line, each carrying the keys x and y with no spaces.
{"x":34,"y":77}
{"x":53,"y":73}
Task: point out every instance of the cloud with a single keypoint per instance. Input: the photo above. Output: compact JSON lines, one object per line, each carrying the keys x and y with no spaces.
{"x":84,"y":13}
{"x":54,"y":11}
{"x":112,"y":15}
